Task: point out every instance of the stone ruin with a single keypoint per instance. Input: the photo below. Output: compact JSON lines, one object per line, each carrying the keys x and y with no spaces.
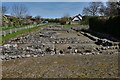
{"x":44,"y":43}
{"x":103,"y":42}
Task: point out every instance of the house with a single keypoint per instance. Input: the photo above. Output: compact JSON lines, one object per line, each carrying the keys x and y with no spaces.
{"x":76,"y":19}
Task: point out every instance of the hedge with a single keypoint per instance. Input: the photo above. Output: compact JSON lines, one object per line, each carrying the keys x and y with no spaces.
{"x":109,"y":25}
{"x":85,"y":19}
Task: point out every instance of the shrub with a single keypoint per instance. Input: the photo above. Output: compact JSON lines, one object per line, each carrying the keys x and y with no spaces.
{"x":85,"y":19}
{"x":62,"y":21}
{"x":106,"y":25}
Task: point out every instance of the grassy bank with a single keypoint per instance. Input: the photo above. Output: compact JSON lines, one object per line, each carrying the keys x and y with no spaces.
{"x":12,"y":27}
{"x":18,"y":33}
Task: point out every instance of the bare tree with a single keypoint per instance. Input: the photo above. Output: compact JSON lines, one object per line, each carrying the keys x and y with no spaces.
{"x":118,"y":7}
{"x":37,"y":19}
{"x":0,"y":16}
{"x":112,"y":8}
{"x":102,"y":10}
{"x":0,"y":10}
{"x":19,"y":10}
{"x":92,"y":9}
{"x":86,"y":11}
{"x":4,"y":10}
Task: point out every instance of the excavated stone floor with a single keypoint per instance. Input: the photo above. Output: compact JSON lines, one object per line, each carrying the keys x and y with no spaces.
{"x":58,"y":52}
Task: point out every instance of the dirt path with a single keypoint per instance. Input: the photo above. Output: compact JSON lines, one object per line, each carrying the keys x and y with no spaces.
{"x":75,"y":66}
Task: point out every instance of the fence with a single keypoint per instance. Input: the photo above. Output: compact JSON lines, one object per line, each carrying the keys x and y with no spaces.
{"x":10,"y":31}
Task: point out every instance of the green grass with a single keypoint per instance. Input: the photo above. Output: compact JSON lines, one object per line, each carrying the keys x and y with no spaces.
{"x":10,"y":27}
{"x":67,"y":26}
{"x":0,"y":40}
{"x":74,"y":25}
{"x":18,"y":33}
{"x":0,"y":37}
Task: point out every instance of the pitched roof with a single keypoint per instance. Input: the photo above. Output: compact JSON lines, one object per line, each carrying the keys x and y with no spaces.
{"x":79,"y":16}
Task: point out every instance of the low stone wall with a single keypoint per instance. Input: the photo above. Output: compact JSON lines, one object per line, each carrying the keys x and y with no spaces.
{"x":103,"y":42}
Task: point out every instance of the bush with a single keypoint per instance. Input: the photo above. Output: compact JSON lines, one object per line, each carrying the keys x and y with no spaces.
{"x":104,"y":25}
{"x":85,"y":19}
{"x":62,"y":21}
